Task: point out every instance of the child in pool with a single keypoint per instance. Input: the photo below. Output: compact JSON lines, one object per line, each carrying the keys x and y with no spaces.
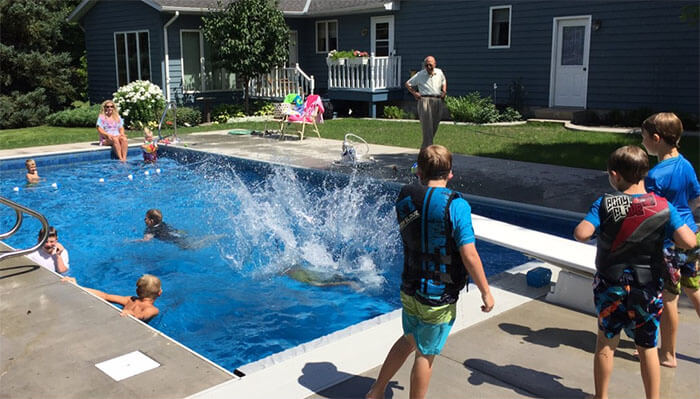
{"x":149,"y":147}
{"x":141,"y":306}
{"x":32,"y":173}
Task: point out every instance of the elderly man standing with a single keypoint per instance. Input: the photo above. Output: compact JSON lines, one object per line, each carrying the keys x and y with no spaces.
{"x":432,"y":87}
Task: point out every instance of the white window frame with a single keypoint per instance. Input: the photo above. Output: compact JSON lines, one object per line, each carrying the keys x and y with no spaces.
{"x":510,"y":24}
{"x":202,"y":65}
{"x":126,"y":55}
{"x":325,"y":22}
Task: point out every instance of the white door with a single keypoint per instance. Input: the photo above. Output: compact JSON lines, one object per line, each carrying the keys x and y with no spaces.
{"x":382,"y":36}
{"x":293,"y":48}
{"x":570,"y":48}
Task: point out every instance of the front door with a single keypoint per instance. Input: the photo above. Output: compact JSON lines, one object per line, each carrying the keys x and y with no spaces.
{"x":570,"y":48}
{"x":293,"y":48}
{"x":382,"y":36}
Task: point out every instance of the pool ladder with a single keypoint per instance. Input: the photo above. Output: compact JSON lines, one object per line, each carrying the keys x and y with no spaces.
{"x":20,"y":211}
{"x":172,"y":105}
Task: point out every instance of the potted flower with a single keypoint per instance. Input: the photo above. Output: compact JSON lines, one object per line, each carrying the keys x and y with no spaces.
{"x":359,"y":58}
{"x":336,"y":58}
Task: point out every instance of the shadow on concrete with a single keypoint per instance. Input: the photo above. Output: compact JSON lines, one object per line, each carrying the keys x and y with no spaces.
{"x":524,"y":381}
{"x":687,"y":358}
{"x":553,"y":337}
{"x":352,"y":386}
{"x":21,"y":270}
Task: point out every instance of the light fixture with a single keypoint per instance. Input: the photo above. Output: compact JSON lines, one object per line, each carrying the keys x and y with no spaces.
{"x":597,"y":24}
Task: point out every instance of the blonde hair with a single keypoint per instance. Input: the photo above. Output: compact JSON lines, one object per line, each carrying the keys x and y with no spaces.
{"x":667,"y":125}
{"x":115,"y":114}
{"x":630,"y":162}
{"x":29,"y":161}
{"x":148,"y":286}
{"x":155,"y":215}
{"x":434,"y":162}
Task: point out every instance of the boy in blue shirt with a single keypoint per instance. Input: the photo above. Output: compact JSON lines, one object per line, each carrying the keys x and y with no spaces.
{"x":674,"y":179}
{"x":438,"y":240}
{"x":632,"y":226}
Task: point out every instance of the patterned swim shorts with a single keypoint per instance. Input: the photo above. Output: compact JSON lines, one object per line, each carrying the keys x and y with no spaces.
{"x":681,"y":268}
{"x":623,"y":305}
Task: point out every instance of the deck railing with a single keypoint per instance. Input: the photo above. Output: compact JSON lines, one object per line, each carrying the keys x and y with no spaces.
{"x":282,"y":81}
{"x":365,"y":73}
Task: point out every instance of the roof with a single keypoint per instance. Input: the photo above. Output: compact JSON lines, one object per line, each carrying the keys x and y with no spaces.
{"x":308,"y":8}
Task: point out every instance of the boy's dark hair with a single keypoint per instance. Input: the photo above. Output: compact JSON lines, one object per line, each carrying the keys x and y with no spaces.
{"x":52,"y":232}
{"x":155,"y":215}
{"x":435,"y":162}
{"x":667,"y":125}
{"x":630,"y":162}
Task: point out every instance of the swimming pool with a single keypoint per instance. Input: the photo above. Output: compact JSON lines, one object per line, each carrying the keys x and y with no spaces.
{"x":229,"y":299}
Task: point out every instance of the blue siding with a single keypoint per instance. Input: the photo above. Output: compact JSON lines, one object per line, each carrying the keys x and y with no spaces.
{"x":100,"y":23}
{"x":642,"y":56}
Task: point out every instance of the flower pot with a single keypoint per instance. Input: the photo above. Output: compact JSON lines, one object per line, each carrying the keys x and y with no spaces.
{"x":358,"y":61}
{"x":335,"y":61}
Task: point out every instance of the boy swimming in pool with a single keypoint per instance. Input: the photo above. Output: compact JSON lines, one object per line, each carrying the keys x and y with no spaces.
{"x":32,"y":173}
{"x":158,"y":229}
{"x":141,"y":306}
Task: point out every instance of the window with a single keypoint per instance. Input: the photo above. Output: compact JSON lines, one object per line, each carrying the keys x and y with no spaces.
{"x":499,"y":27}
{"x":131,"y":50}
{"x":326,"y":36}
{"x":198,"y":72}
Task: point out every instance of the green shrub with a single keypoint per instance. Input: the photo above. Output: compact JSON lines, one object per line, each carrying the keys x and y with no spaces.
{"x":24,"y":109}
{"x":223,"y":112}
{"x":472,"y":108}
{"x":393,"y":112}
{"x":139,"y":101}
{"x":186,"y":116}
{"x":510,"y":115}
{"x":83,"y":115}
{"x":263,"y":108}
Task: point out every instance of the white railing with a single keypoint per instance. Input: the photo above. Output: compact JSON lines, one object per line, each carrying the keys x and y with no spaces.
{"x":282,"y":81}
{"x":365,"y":73}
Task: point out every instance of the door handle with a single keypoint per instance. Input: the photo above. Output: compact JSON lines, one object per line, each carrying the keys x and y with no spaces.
{"x":585,"y":69}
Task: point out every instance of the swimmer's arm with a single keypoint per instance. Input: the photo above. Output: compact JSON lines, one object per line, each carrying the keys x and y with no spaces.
{"x":684,"y":237}
{"x":118,"y":299}
{"x":584,"y":231}
{"x":147,"y":237}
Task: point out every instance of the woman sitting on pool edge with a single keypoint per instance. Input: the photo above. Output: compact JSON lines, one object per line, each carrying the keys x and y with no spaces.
{"x":110,"y":126}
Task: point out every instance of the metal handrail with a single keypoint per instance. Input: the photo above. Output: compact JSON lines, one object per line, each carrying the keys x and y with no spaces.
{"x":20,"y":210}
{"x":169,"y":105}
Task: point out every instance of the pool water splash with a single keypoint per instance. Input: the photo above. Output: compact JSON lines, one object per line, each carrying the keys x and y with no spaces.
{"x":339,"y":230}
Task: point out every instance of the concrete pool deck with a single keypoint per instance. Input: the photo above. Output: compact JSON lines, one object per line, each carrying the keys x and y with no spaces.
{"x":52,"y":334}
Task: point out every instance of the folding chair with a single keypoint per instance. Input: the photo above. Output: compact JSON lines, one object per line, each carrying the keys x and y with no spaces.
{"x":313,"y":112}
{"x":279,"y":115}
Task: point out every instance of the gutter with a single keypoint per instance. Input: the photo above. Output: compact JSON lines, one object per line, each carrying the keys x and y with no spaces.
{"x":167,"y":59}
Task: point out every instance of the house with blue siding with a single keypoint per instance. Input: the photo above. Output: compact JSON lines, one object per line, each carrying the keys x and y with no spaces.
{"x":596,"y":54}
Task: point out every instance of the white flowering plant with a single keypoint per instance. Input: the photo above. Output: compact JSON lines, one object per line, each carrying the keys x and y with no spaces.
{"x":140,"y":103}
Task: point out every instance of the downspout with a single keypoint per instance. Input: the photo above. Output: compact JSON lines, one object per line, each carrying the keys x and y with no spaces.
{"x":167,"y":59}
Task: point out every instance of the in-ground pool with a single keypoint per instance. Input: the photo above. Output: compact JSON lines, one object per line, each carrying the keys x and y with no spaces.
{"x":230,"y":297}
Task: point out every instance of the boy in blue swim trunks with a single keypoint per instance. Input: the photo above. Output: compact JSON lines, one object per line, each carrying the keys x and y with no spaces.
{"x":674,"y":179}
{"x":438,"y":240}
{"x":631,"y":226}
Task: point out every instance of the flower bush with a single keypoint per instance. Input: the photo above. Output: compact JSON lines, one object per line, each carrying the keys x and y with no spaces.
{"x":139,"y":101}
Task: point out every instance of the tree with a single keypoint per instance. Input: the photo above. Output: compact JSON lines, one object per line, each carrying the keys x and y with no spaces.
{"x":249,"y":38}
{"x":39,"y":60}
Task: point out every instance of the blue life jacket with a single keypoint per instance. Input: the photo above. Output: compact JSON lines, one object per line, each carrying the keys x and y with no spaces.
{"x":433,"y":271}
{"x":632,"y":233}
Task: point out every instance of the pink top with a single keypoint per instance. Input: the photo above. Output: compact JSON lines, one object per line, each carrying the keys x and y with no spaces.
{"x":110,"y":125}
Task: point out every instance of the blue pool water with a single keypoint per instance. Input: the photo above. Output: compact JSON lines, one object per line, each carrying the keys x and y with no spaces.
{"x":229,"y":298}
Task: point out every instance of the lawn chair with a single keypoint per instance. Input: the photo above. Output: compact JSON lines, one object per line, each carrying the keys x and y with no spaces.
{"x":279,"y":115}
{"x":313,"y":113}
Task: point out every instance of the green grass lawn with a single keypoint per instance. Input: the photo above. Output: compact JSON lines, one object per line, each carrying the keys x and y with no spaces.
{"x":546,"y":143}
